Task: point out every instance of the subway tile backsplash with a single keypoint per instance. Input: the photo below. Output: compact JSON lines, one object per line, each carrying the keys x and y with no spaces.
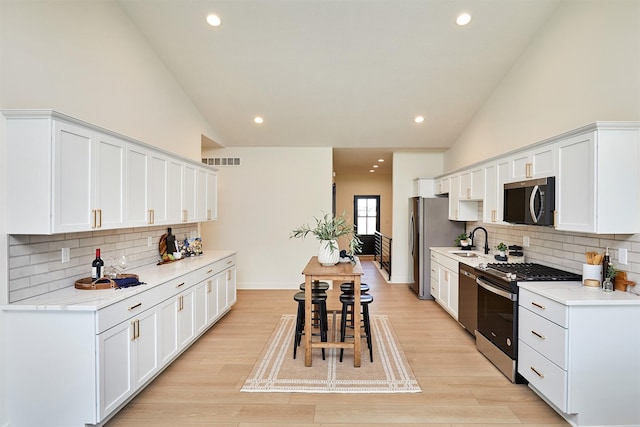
{"x":563,"y":249}
{"x":35,"y":266}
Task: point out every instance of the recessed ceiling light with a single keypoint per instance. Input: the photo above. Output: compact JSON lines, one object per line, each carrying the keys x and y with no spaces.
{"x":375,"y":166}
{"x":371,"y":170}
{"x":463,"y":19}
{"x":380,"y":160}
{"x":259,"y":120}
{"x":214,"y":20}
{"x":419,"y":119}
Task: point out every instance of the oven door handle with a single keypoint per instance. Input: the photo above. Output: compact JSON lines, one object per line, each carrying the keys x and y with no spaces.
{"x":486,"y":285}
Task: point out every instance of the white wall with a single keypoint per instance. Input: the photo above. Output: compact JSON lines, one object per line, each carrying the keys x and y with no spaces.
{"x":406,"y":168}
{"x":259,"y":202}
{"x":583,"y":66}
{"x":87,"y":60}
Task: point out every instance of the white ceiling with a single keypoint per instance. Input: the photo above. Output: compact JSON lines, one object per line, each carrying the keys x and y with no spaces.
{"x":339,"y":73}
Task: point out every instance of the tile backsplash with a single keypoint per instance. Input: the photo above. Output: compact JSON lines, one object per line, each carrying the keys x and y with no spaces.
{"x":35,"y":266}
{"x":563,"y":249}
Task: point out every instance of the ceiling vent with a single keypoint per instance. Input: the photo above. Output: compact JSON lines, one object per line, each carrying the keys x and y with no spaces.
{"x":221,"y":161}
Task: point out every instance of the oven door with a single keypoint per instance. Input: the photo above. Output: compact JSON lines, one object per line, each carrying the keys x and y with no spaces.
{"x":497,"y":316}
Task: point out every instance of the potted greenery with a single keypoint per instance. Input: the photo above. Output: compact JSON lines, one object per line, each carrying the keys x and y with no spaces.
{"x":462,"y":240}
{"x":328,"y":229}
{"x":502,"y":248}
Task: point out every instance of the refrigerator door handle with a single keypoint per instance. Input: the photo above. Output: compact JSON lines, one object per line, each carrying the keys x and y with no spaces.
{"x":412,"y":221}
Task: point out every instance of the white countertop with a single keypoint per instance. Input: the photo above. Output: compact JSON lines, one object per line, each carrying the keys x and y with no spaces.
{"x":574,"y":293}
{"x":90,"y":300}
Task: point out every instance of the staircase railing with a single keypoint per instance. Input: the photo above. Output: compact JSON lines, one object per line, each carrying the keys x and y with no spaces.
{"x":383,"y":252}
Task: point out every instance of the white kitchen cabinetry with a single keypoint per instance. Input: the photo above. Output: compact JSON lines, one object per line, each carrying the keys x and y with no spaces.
{"x":472,"y":186}
{"x":212,"y":196}
{"x":189,"y":205}
{"x":128,"y":357}
{"x":103,"y":353}
{"x":89,"y":178}
{"x":538,"y":162}
{"x":441,"y":185}
{"x":460,"y":209}
{"x":138,"y":187}
{"x":578,"y":355}
{"x":598,"y":183}
{"x":496,"y":174}
{"x":446,"y":271}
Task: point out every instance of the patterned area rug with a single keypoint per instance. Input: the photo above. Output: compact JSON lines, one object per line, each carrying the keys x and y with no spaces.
{"x":277,"y":371}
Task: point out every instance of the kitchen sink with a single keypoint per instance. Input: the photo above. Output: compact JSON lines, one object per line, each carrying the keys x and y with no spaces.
{"x":464,"y":254}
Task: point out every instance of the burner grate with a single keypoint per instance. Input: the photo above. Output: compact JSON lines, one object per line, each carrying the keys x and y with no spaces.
{"x":535,"y":272}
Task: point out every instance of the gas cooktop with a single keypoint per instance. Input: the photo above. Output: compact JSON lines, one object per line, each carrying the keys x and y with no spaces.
{"x":531,"y":272}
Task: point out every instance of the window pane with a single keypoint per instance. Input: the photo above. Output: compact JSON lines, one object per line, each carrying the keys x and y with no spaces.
{"x":362,"y":225}
{"x":371,"y":208}
{"x":371,"y":225}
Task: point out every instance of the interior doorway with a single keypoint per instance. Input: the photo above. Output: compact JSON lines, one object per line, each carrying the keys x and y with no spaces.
{"x":366,"y":217}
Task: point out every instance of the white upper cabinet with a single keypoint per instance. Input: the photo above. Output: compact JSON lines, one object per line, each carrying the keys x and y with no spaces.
{"x":538,"y":162}
{"x":496,"y":174}
{"x":472,"y":184}
{"x":598,"y":183}
{"x":91,"y":179}
{"x":441,"y":185}
{"x":460,"y":209}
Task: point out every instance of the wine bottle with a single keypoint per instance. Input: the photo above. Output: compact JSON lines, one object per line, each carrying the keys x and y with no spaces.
{"x":96,"y":266}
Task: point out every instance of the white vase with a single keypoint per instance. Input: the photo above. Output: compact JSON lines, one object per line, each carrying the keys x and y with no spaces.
{"x":326,"y":255}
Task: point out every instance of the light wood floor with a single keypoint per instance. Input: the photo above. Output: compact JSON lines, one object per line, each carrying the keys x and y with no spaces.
{"x":459,"y":386}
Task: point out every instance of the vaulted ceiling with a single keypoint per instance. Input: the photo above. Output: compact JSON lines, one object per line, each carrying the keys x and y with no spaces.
{"x":339,"y":73}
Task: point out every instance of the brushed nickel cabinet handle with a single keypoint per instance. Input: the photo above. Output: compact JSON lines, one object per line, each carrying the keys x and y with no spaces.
{"x":536,"y":372}
{"x":542,"y":337}
{"x":133,"y":307}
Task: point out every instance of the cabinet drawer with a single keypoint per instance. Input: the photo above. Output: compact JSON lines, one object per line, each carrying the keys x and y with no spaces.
{"x":449,"y":263}
{"x":214,"y":268}
{"x":545,"y":307}
{"x":116,"y":313}
{"x":544,"y":336}
{"x":544,"y":375}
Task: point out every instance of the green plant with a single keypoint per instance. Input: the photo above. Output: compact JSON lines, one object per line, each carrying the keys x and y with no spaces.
{"x":611,"y":271}
{"x":501,"y":247}
{"x":460,"y":238}
{"x":331,"y":228}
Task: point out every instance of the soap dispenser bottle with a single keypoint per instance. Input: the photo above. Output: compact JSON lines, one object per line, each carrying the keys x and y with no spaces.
{"x":606,"y":260}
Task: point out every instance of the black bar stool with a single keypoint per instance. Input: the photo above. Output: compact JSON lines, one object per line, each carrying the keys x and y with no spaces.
{"x":347,"y":288}
{"x":316,"y":286}
{"x":319,"y":300}
{"x":348,"y":301}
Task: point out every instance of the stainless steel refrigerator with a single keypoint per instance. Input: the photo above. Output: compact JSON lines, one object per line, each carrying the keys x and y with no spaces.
{"x":428,"y":226}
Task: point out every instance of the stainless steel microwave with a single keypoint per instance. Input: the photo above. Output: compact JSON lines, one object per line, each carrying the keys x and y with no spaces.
{"x":531,"y":202}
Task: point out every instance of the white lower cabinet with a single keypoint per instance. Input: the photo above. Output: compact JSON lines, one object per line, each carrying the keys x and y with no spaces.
{"x":579,"y":356}
{"x":444,"y":282}
{"x":92,"y":362}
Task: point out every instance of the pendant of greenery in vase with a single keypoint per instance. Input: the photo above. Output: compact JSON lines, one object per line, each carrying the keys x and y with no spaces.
{"x":328,"y":253}
{"x":327,"y":230}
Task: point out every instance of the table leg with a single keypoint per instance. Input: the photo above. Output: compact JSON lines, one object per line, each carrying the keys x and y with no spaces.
{"x":356,"y":321}
{"x":307,"y":321}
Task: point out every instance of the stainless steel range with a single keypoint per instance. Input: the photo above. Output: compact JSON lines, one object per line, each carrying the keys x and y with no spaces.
{"x":497,"y":333}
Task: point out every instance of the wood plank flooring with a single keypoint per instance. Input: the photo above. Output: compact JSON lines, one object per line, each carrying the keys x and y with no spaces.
{"x":460,"y":388}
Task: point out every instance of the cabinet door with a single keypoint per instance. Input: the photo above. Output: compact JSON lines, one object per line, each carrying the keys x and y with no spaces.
{"x":201,"y":195}
{"x":138,"y":186}
{"x":189,"y":194}
{"x":231,"y":287}
{"x":444,"y":277}
{"x":536,"y":163}
{"x":200,"y":307}
{"x":115,"y":361}
{"x":186,"y":318}
{"x":575,"y":184}
{"x":158,"y":189}
{"x":169,"y":330}
{"x":146,"y":346}
{"x":454,"y":196}
{"x":496,"y":174}
{"x":109,"y":164}
{"x":453,"y":294}
{"x":72,"y":178}
{"x":212,"y":196}
{"x":212,"y":298}
{"x":477,"y":184}
{"x":174,"y":192}
{"x":222,"y":294}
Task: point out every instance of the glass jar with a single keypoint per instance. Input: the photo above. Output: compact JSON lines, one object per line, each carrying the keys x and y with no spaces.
{"x":607,"y":285}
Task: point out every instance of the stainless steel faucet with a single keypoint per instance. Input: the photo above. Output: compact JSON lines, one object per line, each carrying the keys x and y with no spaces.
{"x":486,"y":238}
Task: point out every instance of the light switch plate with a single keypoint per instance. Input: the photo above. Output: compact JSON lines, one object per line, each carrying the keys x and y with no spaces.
{"x":65,"y":255}
{"x":622,"y":256}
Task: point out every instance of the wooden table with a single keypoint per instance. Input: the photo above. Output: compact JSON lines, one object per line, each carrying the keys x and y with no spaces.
{"x":341,"y":272}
